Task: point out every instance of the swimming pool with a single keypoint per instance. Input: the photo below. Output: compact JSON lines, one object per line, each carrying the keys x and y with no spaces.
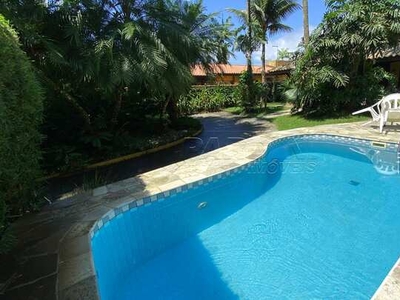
{"x":315,"y":217}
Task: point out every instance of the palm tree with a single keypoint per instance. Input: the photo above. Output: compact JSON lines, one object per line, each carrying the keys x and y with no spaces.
{"x":249,"y":39}
{"x":306,"y":26}
{"x":269,"y":14}
{"x":284,"y":54}
{"x":246,"y":41}
{"x":199,"y":39}
{"x":102,"y":49}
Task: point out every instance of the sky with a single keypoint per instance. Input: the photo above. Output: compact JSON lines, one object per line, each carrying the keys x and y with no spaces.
{"x":289,"y":40}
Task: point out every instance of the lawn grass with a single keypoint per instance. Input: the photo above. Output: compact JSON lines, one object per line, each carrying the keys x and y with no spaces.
{"x":297,"y":121}
{"x":272,"y":107}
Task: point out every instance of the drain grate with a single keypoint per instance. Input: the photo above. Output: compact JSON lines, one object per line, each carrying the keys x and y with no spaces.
{"x":353,"y":182}
{"x":378,"y":145}
{"x":202,"y":205}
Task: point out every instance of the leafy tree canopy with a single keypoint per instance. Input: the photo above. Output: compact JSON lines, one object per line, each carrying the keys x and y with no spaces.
{"x":337,"y":70}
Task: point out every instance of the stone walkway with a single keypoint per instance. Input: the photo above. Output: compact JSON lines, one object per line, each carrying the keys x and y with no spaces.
{"x":53,"y":254}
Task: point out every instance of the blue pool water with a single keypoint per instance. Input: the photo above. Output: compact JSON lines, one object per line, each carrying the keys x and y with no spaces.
{"x":311,"y":220}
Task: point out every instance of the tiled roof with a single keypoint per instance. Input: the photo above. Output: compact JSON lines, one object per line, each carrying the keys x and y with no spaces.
{"x":283,"y":68}
{"x":392,"y":52}
{"x":227,"y":69}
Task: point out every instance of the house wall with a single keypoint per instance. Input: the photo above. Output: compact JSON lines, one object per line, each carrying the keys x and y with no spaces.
{"x":234,"y":79}
{"x":227,"y":79}
{"x":277,"y":77}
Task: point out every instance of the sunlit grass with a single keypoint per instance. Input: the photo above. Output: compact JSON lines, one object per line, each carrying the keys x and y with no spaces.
{"x":272,"y":107}
{"x":297,"y":121}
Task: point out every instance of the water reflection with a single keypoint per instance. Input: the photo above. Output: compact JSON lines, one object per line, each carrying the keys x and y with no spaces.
{"x":385,"y":162}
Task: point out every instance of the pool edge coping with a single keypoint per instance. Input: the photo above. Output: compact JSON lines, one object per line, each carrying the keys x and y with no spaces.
{"x":264,"y":139}
{"x":377,"y":295}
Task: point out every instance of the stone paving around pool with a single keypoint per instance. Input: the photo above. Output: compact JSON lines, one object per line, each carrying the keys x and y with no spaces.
{"x":53,"y":253}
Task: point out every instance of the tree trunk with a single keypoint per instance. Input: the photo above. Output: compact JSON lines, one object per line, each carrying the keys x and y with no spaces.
{"x":249,"y":33}
{"x":306,"y":26}
{"x":79,"y":109}
{"x":172,"y":110}
{"x":117,"y":109}
{"x":263,"y":79}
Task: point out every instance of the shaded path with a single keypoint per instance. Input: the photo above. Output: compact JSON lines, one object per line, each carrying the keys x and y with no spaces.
{"x":220,"y":129}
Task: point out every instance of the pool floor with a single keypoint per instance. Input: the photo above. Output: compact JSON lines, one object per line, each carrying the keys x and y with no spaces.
{"x":319,"y":232}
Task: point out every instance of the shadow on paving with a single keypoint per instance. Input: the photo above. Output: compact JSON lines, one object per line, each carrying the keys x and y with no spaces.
{"x":220,"y":129}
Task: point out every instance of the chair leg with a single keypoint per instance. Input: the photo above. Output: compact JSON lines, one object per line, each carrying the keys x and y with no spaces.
{"x":381,"y":124}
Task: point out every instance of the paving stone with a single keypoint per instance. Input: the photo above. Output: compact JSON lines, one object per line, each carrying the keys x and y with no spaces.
{"x":94,"y":213}
{"x":43,"y":289}
{"x":73,"y":247}
{"x":85,"y":289}
{"x":34,"y":268}
{"x":79,"y":229}
{"x":42,"y":238}
{"x":8,"y":265}
{"x":100,"y":191}
{"x":74,"y":270}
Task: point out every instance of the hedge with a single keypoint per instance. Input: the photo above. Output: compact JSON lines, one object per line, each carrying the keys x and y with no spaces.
{"x":20,"y":118}
{"x":208,"y":99}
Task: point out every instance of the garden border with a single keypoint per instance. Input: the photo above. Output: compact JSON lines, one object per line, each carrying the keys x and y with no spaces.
{"x":119,"y":159}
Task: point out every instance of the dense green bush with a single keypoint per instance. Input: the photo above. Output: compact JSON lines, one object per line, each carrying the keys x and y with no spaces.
{"x":275,"y":91}
{"x":207,"y":99}
{"x":249,"y":91}
{"x":334,"y":74}
{"x":20,"y":116}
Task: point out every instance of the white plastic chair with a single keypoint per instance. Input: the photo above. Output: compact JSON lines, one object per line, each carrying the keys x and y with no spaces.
{"x":385,"y":110}
{"x":374,"y":110}
{"x":390,"y":110}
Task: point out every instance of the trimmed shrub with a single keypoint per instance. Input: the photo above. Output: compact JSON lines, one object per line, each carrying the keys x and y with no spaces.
{"x":207,"y":99}
{"x":20,"y":117}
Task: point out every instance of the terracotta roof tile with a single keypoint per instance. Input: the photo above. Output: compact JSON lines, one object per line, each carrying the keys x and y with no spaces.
{"x":392,"y":52}
{"x":197,"y":70}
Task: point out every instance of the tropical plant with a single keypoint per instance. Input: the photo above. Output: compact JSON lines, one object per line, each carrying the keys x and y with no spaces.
{"x":207,"y":99}
{"x":247,"y":41}
{"x":249,"y":91}
{"x":108,"y":64}
{"x":269,"y":14}
{"x":337,"y":70}
{"x":284,"y":54}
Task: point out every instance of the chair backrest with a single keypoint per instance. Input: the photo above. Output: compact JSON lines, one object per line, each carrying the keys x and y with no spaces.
{"x":391,"y":101}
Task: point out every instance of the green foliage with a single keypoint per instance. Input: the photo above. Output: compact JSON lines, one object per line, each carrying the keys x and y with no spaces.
{"x":334,"y":74}
{"x":260,"y":112}
{"x":298,"y":121}
{"x":274,"y":91}
{"x":20,"y":116}
{"x":207,"y":99}
{"x":249,"y":92}
{"x":107,"y":67}
{"x":284,"y":54}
